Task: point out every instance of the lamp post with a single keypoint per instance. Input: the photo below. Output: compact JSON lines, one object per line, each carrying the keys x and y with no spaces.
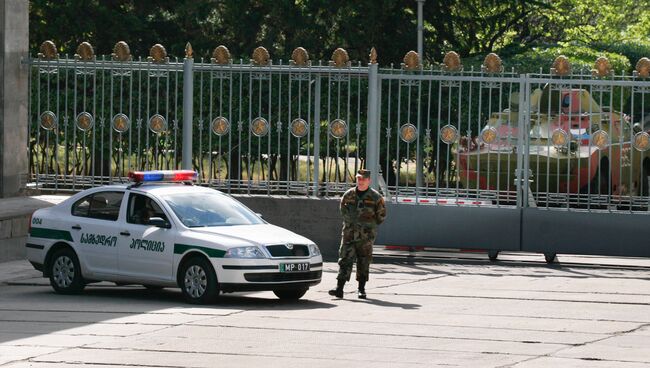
{"x":420,"y":28}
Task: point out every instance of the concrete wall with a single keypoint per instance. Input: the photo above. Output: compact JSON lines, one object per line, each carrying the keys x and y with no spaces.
{"x":317,"y":219}
{"x":14,"y":43}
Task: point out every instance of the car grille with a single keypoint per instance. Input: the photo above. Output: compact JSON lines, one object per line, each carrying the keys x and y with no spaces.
{"x":279,"y":277}
{"x":281,"y":250}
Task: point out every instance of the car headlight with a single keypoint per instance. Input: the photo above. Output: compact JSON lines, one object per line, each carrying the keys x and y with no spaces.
{"x":313,"y":250}
{"x":244,"y":252}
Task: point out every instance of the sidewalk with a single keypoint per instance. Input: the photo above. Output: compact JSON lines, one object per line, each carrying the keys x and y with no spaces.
{"x":436,"y":309}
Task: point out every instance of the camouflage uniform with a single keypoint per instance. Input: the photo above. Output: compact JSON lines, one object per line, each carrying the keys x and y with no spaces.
{"x":361,"y":215}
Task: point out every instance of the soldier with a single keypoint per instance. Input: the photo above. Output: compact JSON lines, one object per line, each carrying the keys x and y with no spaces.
{"x":363,"y":209}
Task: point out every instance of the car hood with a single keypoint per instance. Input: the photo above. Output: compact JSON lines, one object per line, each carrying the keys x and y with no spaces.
{"x":241,"y":235}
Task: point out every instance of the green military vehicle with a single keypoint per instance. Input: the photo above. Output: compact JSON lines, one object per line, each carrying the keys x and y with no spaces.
{"x":576,"y":148}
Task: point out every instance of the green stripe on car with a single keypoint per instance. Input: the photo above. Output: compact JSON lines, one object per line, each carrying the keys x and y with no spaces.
{"x":214,"y":253}
{"x":41,"y":232}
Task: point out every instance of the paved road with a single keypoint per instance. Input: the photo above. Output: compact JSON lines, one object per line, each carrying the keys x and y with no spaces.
{"x":453,"y":309}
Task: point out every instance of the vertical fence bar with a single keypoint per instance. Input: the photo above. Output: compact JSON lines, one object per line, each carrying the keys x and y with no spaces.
{"x":317,"y":88}
{"x":188,"y":97}
{"x":372,"y":146}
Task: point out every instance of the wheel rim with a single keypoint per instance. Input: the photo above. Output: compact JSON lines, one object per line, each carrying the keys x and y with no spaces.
{"x":196,"y":281}
{"x":63,"y":271}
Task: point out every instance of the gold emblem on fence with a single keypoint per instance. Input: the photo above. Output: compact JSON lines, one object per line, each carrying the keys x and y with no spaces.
{"x":561,"y":66}
{"x":121,"y":52}
{"x":600,"y":139}
{"x":85,"y":121}
{"x":158,"y":54}
{"x":448,"y":134}
{"x":373,"y":56}
{"x":121,"y":123}
{"x":299,"y":128}
{"x":85,"y":52}
{"x":48,"y":120}
{"x":299,"y":57}
{"x":492,"y":64}
{"x":221,"y":55}
{"x":451,"y":62}
{"x":408,"y":133}
{"x":261,"y":56}
{"x":602,"y":67}
{"x":220,"y":126}
{"x":340,"y":58}
{"x":259,"y":127}
{"x":338,"y":128}
{"x":48,"y":51}
{"x":158,"y":124}
{"x":559,"y":138}
{"x":642,"y":68}
{"x":489,"y":135}
{"x":642,"y":141}
{"x":189,"y":52}
{"x":411,"y":61}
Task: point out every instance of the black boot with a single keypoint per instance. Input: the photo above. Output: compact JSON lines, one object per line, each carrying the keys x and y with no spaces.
{"x":362,"y":290}
{"x":338,"y":292}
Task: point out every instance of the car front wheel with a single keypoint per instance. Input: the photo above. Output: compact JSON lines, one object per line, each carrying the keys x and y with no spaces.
{"x":65,"y":273}
{"x":198,"y":281}
{"x":290,"y":294}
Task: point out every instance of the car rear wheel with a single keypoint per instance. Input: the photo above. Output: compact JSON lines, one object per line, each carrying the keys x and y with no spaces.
{"x":290,"y":294}
{"x":493,"y":255}
{"x":65,"y":273}
{"x":198,"y":281}
{"x":550,"y":257}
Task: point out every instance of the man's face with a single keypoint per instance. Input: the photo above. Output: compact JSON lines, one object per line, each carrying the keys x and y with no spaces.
{"x":363,"y":183}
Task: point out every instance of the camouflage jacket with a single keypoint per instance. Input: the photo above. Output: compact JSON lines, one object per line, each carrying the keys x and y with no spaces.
{"x":366,"y":211}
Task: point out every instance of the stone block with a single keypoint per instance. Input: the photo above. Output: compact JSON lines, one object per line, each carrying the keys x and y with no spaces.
{"x":5,"y":229}
{"x":19,"y":226}
{"x":12,"y":249}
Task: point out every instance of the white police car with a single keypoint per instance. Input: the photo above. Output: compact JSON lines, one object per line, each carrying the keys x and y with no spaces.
{"x":166,"y":235}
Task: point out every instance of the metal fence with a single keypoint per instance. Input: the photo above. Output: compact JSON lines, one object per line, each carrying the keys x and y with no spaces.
{"x":444,"y":136}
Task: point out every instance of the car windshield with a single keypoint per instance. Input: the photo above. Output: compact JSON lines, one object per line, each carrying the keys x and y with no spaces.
{"x":210,"y":209}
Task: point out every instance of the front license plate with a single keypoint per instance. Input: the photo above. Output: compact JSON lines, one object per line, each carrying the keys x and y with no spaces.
{"x":294,"y":267}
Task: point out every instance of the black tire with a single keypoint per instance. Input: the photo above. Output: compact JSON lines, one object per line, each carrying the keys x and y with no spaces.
{"x":65,"y":272}
{"x":550,"y":257}
{"x":493,"y":255}
{"x":290,"y":294}
{"x":198,"y":281}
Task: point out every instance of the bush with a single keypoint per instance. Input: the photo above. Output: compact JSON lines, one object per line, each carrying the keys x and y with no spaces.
{"x":582,"y":58}
{"x":633,"y":51}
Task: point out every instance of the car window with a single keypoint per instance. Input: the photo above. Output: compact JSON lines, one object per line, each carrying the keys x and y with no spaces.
{"x":210,"y":209}
{"x":100,"y":205}
{"x":142,"y":208}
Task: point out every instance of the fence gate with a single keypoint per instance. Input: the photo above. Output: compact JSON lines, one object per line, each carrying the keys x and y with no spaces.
{"x":552,"y":163}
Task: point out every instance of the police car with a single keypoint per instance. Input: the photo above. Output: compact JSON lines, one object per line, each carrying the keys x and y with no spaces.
{"x":160,"y":234}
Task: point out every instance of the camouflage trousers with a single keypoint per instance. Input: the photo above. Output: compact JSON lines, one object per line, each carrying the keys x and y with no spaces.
{"x":359,"y":250}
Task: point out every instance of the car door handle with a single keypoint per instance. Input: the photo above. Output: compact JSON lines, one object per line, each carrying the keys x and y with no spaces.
{"x":76,"y":227}
{"x":125,"y":233}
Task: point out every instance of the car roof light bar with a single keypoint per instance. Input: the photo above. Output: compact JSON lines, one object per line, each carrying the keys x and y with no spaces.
{"x":163,"y":176}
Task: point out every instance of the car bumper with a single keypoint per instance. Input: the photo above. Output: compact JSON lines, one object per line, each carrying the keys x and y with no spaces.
{"x":255,"y":275}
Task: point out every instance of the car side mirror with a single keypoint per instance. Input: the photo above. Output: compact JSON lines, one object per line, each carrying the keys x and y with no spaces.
{"x":159,"y":222}
{"x":636,"y":128}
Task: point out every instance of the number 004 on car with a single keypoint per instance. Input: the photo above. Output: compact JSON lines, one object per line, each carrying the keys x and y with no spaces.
{"x":294,"y":267}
